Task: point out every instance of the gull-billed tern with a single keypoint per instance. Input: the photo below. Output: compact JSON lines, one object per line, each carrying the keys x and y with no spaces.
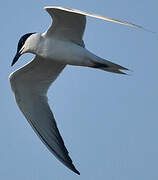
{"x":60,"y":45}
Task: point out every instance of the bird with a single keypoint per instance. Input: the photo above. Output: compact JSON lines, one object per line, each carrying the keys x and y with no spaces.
{"x":60,"y":45}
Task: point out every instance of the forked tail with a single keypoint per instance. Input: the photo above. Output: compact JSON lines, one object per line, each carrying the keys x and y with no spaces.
{"x":109,"y":66}
{"x":100,"y":63}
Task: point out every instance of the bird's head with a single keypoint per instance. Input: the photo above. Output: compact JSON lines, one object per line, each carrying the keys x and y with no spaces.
{"x":25,"y":44}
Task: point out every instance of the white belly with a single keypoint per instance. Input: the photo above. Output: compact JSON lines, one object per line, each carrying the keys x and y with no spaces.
{"x":65,"y":52}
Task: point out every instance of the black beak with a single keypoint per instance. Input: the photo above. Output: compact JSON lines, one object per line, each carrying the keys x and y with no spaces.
{"x":16,"y":58}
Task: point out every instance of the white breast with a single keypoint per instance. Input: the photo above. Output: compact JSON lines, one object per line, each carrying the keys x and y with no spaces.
{"x":64,"y":52}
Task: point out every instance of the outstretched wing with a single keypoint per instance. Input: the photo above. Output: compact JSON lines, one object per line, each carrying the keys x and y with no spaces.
{"x":69,"y":23}
{"x":66,"y":25}
{"x":30,"y":85}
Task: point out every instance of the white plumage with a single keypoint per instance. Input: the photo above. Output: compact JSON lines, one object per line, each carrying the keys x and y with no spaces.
{"x":60,"y":45}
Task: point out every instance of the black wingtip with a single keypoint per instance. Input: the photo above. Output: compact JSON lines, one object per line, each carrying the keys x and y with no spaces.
{"x":77,"y":172}
{"x":74,"y":169}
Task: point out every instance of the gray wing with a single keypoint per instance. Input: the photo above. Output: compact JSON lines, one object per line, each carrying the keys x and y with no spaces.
{"x":30,"y":85}
{"x":70,"y":24}
{"x":66,"y":25}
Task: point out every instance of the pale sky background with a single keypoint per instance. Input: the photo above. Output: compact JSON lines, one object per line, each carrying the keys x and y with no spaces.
{"x":109,"y":122}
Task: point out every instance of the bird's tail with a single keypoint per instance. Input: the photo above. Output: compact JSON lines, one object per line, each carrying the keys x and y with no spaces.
{"x":109,"y":66}
{"x":99,"y":63}
{"x":103,"y":64}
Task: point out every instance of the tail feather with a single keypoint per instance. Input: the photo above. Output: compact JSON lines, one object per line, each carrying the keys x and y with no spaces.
{"x":109,"y":66}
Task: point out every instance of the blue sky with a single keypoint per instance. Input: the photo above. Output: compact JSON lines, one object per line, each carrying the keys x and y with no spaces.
{"x":108,"y":121}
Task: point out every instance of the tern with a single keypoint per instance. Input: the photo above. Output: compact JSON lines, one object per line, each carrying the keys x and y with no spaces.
{"x":58,"y":46}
